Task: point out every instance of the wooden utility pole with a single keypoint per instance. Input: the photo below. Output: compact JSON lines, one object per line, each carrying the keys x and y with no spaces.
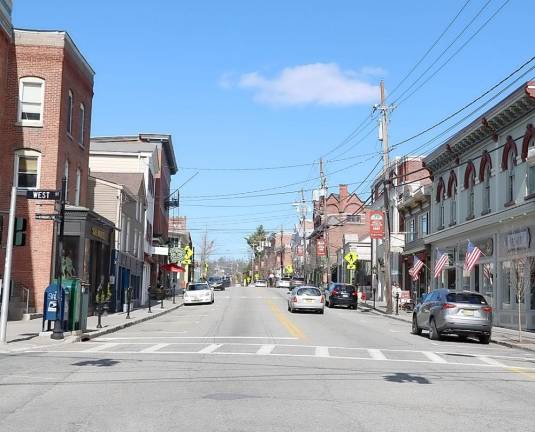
{"x":282,"y":255}
{"x":384,"y":137}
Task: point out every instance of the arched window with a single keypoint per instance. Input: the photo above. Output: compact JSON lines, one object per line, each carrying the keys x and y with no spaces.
{"x":510,"y":182}
{"x":31,"y":99}
{"x":70,"y":102}
{"x":440,"y":198}
{"x":66,"y":175}
{"x":469,"y":183}
{"x":81,"y":131}
{"x":527,"y":144}
{"x":486,"y":188}
{"x":452,"y":194}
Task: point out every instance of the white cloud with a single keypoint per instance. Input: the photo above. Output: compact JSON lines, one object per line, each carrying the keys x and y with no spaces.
{"x":372,"y":71}
{"x":312,"y":84}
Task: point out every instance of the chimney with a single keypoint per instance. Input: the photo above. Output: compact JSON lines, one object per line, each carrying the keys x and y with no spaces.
{"x":343,"y":192}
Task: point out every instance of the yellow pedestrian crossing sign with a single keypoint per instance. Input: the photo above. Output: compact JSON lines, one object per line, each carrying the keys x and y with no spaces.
{"x":188,"y":253}
{"x":289,"y":269}
{"x":351,"y":266}
{"x":351,"y":258}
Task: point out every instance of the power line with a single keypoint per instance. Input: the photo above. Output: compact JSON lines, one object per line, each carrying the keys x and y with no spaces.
{"x":453,"y":55}
{"x":430,"y":48}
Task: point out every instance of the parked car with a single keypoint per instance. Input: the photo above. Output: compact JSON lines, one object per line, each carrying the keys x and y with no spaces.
{"x":226,"y":281}
{"x":297,"y":281}
{"x":306,"y":298}
{"x":449,"y":312}
{"x":196,"y":293}
{"x":261,"y":283}
{"x":216,"y":283}
{"x":339,"y":294}
{"x":284,"y":282}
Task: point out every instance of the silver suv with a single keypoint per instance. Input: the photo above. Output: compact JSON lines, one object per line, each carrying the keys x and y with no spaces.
{"x":449,"y":312}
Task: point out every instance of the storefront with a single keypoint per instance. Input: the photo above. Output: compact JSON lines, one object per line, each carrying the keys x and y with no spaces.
{"x":87,"y":247}
{"x":423,"y":283}
{"x":128,"y":273}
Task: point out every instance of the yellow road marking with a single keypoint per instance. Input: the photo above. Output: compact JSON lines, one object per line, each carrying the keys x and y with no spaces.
{"x":285,"y":321}
{"x":530,"y":375}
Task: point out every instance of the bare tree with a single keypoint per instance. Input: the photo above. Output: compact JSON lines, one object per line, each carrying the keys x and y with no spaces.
{"x":207,"y":248}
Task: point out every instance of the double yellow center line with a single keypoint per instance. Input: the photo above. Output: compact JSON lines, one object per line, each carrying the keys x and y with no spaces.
{"x":285,"y":321}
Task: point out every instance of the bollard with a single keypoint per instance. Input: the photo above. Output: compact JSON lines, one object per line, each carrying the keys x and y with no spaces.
{"x":128,"y":300}
{"x":397,"y":303}
{"x":150,"y":300}
{"x":375,"y":289}
{"x":174,"y":286}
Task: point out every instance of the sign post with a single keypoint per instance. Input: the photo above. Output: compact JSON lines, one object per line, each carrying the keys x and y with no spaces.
{"x":57,"y":333}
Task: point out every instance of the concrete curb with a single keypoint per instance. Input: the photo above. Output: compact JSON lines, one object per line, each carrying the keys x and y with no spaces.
{"x":494,"y":341}
{"x":88,"y":336}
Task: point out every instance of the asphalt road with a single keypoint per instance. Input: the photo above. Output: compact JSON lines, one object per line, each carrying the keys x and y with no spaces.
{"x":246,"y":364}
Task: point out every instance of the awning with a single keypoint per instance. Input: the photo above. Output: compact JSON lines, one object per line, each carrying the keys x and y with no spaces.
{"x":175,"y":268}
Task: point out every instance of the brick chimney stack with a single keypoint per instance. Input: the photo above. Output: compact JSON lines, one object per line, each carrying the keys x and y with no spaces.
{"x":343,"y":192}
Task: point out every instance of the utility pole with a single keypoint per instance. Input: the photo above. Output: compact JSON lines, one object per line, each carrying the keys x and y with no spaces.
{"x":282,"y":255}
{"x":304,"y":218}
{"x":323,"y":198}
{"x":383,"y":136}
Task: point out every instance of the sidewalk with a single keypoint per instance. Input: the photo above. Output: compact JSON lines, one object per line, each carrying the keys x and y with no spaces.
{"x":500,"y":335}
{"x":23,"y":335}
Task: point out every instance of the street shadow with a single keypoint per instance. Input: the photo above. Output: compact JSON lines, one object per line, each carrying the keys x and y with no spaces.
{"x":27,"y":336}
{"x":97,"y":363}
{"x":401,"y":377}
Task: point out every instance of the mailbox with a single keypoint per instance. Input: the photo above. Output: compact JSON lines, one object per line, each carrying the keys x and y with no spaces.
{"x":50,"y":305}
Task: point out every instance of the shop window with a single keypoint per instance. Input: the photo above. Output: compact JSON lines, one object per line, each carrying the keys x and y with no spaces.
{"x":31,"y":98}
{"x":506,"y":282}
{"x":488,"y":282}
{"x":69,"y":265}
{"x":27,"y":169}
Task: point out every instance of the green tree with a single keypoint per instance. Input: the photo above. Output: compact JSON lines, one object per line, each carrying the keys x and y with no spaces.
{"x":255,"y":238}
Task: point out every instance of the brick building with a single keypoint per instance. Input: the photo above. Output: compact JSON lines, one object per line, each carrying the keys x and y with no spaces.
{"x":334,"y":216}
{"x":46,"y":92}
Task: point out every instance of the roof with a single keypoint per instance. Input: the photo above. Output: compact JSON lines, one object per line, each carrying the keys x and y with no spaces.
{"x":120,"y":146}
{"x":131,"y":181}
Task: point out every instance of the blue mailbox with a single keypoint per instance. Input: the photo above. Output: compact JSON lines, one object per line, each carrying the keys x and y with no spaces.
{"x":50,"y":305}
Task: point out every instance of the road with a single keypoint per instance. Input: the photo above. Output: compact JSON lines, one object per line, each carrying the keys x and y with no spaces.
{"x":246,"y":364}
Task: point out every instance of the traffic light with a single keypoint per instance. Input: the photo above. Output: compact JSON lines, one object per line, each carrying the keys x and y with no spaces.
{"x":19,"y":238}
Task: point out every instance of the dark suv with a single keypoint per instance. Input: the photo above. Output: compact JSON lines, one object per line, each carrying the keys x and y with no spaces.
{"x":339,"y":294}
{"x":463,"y":313}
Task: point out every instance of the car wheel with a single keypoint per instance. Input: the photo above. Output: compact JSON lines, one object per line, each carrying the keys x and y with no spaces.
{"x":484,"y":339}
{"x":433,"y":332}
{"x":415,"y":329}
{"x":321,"y":311}
{"x":289,"y":309}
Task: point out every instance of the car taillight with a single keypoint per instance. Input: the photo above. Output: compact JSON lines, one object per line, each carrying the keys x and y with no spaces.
{"x":487,"y":309}
{"x":294,"y":299}
{"x":335,"y":292}
{"x":322,"y":299}
{"x":448,"y":306}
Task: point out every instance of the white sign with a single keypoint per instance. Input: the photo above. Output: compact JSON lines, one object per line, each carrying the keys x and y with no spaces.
{"x":160,"y":250}
{"x":518,"y":240}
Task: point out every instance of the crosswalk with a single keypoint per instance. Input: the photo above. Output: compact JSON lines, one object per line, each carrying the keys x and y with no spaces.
{"x":225,"y":346}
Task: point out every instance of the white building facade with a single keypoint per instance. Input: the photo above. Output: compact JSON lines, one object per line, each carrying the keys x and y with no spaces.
{"x":484,"y":191}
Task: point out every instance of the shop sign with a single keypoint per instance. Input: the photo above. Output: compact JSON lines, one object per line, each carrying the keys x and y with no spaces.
{"x":520,"y":239}
{"x":377,"y":224}
{"x":99,"y":233}
{"x":320,"y":248}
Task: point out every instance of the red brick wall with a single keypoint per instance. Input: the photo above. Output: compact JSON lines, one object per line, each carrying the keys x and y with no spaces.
{"x":4,"y":50}
{"x":33,"y":263}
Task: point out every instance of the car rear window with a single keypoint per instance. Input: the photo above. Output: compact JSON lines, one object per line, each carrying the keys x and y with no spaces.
{"x":468,"y":298}
{"x":345,"y":288}
{"x":309,"y":291}
{"x":197,"y":287}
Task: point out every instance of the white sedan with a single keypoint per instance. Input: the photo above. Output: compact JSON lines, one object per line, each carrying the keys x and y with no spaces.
{"x":306,"y":298}
{"x":197,"y":293}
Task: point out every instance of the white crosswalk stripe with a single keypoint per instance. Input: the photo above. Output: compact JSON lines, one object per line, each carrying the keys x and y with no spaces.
{"x":490,"y":361}
{"x":154,"y":348}
{"x":435,"y":358}
{"x":376,"y":354}
{"x":210,"y":349}
{"x":322,"y":351}
{"x":265,"y":349}
{"x":103,"y":347}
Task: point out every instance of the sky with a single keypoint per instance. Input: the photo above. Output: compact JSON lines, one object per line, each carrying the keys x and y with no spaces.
{"x":247,"y":87}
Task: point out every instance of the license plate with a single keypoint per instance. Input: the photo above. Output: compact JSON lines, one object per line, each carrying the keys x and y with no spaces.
{"x":309,"y":300}
{"x":345,"y":295}
{"x":468,"y":312}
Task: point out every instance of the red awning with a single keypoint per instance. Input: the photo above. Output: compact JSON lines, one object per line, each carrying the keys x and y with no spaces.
{"x":175,"y":268}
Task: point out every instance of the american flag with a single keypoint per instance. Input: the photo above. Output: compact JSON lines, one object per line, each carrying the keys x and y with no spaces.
{"x":487,"y":271}
{"x":442,"y":261}
{"x":414,"y":271}
{"x":472,"y":255}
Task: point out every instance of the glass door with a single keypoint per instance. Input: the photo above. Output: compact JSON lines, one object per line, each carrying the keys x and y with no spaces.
{"x":487,"y":276}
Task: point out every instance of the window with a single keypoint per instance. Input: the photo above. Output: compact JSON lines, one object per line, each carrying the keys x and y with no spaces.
{"x":470,"y":196}
{"x":412,"y":227}
{"x":510,"y":184}
{"x":81,"y":131}
{"x":453,"y":207}
{"x":354,"y":218}
{"x":31,"y":97}
{"x":440,"y":199}
{"x":70,"y":101}
{"x":77,"y":190}
{"x":506,"y":282}
{"x":66,"y":175}
{"x":486,"y":190}
{"x":531,"y":179}
{"x":27,"y":167}
{"x":424,"y":224}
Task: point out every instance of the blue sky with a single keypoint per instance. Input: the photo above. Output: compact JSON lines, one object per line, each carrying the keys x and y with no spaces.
{"x":249,"y":84}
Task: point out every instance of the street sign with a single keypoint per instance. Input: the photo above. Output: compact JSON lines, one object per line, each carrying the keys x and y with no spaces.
{"x":43,"y":194}
{"x":320,"y":247}
{"x":377,"y":224}
{"x":351,"y":258}
{"x":351,"y":266}
{"x":289,"y":269}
